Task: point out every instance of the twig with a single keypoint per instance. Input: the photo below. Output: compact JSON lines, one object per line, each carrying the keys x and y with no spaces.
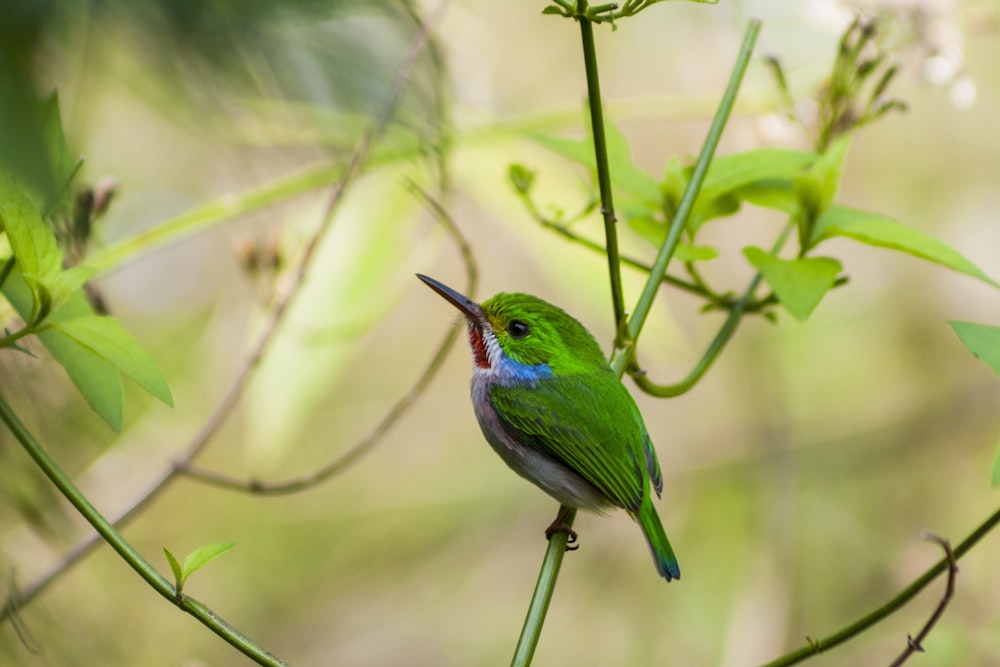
{"x":816,"y":646}
{"x":914,"y":645}
{"x":232,"y":395}
{"x":20,"y":629}
{"x":398,"y":410}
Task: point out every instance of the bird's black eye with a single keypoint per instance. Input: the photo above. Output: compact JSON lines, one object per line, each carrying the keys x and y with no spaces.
{"x":518,"y":329}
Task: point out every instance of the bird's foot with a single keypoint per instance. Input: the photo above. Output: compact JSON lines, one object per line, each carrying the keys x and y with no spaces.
{"x":561,"y":525}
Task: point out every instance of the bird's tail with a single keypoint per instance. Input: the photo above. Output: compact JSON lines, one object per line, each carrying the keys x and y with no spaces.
{"x":659,"y":545}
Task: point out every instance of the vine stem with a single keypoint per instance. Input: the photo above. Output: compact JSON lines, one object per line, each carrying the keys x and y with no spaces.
{"x":128,"y":553}
{"x":555,"y":551}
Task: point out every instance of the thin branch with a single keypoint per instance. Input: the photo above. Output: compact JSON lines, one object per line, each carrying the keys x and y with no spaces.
{"x":398,"y":410}
{"x":231,"y":397}
{"x":814,"y":647}
{"x":915,"y":645}
{"x":161,"y":585}
{"x":20,"y":629}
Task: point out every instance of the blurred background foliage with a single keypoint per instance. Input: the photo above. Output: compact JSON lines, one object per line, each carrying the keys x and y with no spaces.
{"x":800,"y":474}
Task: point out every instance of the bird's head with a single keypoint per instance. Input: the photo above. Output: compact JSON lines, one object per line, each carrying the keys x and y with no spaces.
{"x":524,"y":329}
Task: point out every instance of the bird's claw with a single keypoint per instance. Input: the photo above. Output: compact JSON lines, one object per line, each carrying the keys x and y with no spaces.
{"x":571,"y":544}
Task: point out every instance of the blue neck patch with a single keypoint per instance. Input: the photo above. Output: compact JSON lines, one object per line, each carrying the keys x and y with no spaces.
{"x":514,"y":372}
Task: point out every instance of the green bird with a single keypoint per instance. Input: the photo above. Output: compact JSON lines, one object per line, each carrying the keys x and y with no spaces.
{"x":552,"y":408}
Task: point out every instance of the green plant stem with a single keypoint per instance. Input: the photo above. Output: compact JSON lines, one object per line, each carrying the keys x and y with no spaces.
{"x":642,"y":308}
{"x":142,"y":567}
{"x":544,"y":588}
{"x":817,"y":646}
{"x":721,"y":339}
{"x":603,"y":166}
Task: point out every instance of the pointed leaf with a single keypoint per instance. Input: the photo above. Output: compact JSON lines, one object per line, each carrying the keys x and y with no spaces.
{"x":106,"y":336}
{"x":773,"y":193}
{"x":65,"y":284}
{"x":175,"y":567}
{"x":731,"y":172}
{"x":655,"y":232}
{"x":882,"y":231}
{"x":799,"y":283}
{"x":199,"y":558}
{"x":32,"y":242}
{"x":982,"y":340}
{"x":624,"y":173}
{"x":96,"y":378}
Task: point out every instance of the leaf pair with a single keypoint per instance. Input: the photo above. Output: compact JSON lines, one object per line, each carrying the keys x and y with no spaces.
{"x":194,"y":561}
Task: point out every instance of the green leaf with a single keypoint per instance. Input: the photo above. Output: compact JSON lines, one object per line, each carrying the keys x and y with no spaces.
{"x":624,"y":173}
{"x":96,"y":378}
{"x":199,"y":558}
{"x":773,"y":193}
{"x":32,"y":242}
{"x":175,"y":567}
{"x":729,"y":175}
{"x":815,"y":190}
{"x":799,"y":283}
{"x":732,"y":172}
{"x":879,"y":230}
{"x":655,"y":232}
{"x":106,"y":337}
{"x":828,"y":169}
{"x":982,"y":340}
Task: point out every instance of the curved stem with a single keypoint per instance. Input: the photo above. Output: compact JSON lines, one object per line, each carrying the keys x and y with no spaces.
{"x":142,"y":567}
{"x":817,"y":646}
{"x":719,"y":342}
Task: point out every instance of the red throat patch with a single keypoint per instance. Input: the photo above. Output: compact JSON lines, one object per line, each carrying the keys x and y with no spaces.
{"x":478,"y":346}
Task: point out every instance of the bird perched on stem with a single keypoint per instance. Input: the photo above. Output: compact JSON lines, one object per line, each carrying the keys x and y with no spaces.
{"x":552,"y":408}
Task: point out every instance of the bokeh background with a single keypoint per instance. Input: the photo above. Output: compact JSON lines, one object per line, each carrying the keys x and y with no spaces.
{"x":800,"y":474}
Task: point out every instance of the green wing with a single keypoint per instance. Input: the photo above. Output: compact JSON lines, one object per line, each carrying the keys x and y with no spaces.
{"x":592,"y":427}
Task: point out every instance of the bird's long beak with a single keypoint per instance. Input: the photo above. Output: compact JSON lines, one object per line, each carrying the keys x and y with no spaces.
{"x":469,"y":307}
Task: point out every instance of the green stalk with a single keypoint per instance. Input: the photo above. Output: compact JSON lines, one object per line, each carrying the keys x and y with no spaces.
{"x":817,"y":646}
{"x":540,"y":599}
{"x":142,"y":567}
{"x":603,"y":166}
